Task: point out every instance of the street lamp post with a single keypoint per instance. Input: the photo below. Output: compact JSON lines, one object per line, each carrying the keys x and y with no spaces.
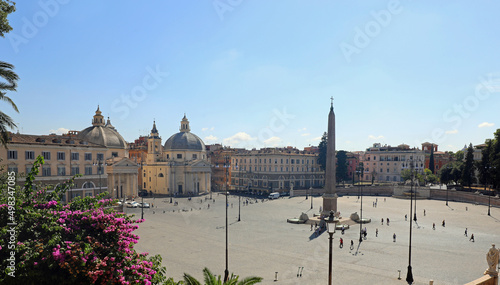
{"x":415,"y":212}
{"x":359,"y":172}
{"x":447,"y":187}
{"x":99,"y":163}
{"x":226,"y":165}
{"x":331,"y":231}
{"x":311,"y":198}
{"x":409,"y":275}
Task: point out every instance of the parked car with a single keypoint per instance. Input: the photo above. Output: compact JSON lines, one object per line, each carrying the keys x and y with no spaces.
{"x":131,"y":204}
{"x":143,"y":205}
{"x":274,"y":195}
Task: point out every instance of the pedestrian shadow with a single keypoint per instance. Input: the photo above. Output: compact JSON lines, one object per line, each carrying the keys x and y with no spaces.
{"x":357,"y":249}
{"x":496,"y":219}
{"x":316,"y":234}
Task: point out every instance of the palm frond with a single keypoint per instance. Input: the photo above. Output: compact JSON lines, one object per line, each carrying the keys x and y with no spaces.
{"x":8,"y":100}
{"x":250,"y":280}
{"x":210,"y":279}
{"x":190,"y":280}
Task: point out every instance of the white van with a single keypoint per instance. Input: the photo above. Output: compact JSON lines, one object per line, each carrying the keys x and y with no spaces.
{"x":274,"y":195}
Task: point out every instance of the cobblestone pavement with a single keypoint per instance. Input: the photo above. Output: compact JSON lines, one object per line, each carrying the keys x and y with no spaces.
{"x":263,"y":243}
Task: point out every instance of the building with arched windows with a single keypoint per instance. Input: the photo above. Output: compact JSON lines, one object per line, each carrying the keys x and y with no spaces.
{"x":180,"y":167}
{"x":98,"y":153}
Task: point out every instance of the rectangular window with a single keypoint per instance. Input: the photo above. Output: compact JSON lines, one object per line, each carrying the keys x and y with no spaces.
{"x":195,"y":156}
{"x":88,"y":156}
{"x":292,"y":161}
{"x":88,"y":170}
{"x":75,"y":156}
{"x":61,"y":170}
{"x":46,"y":155}
{"x":46,"y":171}
{"x":114,"y":154}
{"x":61,"y":155}
{"x":30,"y":154}
{"x":100,"y":156}
{"x":28,"y":169}
{"x":179,"y":155}
{"x":12,"y":154}
{"x":12,"y":168}
{"x":75,"y":170}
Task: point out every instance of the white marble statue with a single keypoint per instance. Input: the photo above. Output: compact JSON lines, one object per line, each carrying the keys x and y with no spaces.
{"x":492,"y":257}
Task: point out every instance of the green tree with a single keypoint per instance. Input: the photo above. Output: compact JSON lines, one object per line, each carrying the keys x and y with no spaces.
{"x":322,"y":151}
{"x":468,"y":175}
{"x":6,"y":7}
{"x":341,"y":169}
{"x":484,"y":166}
{"x":429,"y":176}
{"x":6,"y":73}
{"x":431,"y":160}
{"x":6,"y":122}
{"x":451,"y":172}
{"x":211,"y":279}
{"x":459,"y":155}
{"x":495,"y":161}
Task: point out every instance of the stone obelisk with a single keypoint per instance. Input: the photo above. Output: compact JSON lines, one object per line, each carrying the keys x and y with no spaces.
{"x":330,"y":196}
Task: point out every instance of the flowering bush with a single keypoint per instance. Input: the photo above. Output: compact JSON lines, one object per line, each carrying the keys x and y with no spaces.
{"x":83,"y":242}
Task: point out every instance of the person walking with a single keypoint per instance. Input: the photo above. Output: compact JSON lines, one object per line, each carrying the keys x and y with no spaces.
{"x":352,"y":245}
{"x":424,"y":212}
{"x":443,"y":223}
{"x":341,"y":243}
{"x":387,"y":221}
{"x":433,"y":226}
{"x":376,"y":232}
{"x":394,"y":237}
{"x":406,"y":217}
{"x":311,"y":227}
{"x":471,"y":238}
{"x":465,"y":231}
{"x":382,"y":221}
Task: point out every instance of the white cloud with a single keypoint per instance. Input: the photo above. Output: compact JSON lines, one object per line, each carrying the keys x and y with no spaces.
{"x":305,"y":134}
{"x":451,"y":132}
{"x":237,"y":139}
{"x":486,"y":124}
{"x":316,"y":139}
{"x":372,"y":137}
{"x":273,"y":141}
{"x":302,"y":130}
{"x":206,"y":129}
{"x":59,"y":131}
{"x":211,"y":138}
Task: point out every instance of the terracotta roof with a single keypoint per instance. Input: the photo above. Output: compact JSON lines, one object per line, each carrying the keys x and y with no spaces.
{"x":61,"y":140}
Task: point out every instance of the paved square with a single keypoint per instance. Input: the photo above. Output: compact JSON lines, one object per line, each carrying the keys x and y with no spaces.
{"x":263,"y":243}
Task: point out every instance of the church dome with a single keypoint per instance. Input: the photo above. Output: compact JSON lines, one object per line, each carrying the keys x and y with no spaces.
{"x":103,"y":134}
{"x":184,"y":140}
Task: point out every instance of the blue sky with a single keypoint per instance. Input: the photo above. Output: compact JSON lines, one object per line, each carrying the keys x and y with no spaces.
{"x":261,"y":73}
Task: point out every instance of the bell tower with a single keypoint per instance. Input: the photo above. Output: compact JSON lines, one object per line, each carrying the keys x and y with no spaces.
{"x":154,"y":145}
{"x":185,"y":125}
{"x":98,"y":119}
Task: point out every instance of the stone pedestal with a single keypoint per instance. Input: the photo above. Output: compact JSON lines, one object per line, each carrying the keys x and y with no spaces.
{"x":329,"y":204}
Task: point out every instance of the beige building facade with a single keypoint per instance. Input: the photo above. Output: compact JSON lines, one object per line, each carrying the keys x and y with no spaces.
{"x":385,"y":163}
{"x":92,"y":153}
{"x":180,"y":167}
{"x":275,"y":169}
